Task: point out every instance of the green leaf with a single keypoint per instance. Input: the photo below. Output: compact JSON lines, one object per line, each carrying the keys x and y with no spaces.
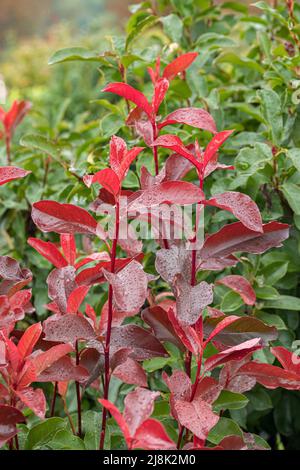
{"x":139,"y":26}
{"x":271,"y":319}
{"x":215,"y":40}
{"x":75,"y":53}
{"x":272,"y":112}
{"x":291,"y":192}
{"x":235,"y":6}
{"x":230,"y":401}
{"x":266,"y":293}
{"x":156,"y":363}
{"x":65,"y":440}
{"x":284,"y":302}
{"x":224,"y":427}
{"x":91,"y":423}
{"x":260,"y":399}
{"x":173,"y":27}
{"x":294,"y":155}
{"x":41,"y":143}
{"x":43,"y":432}
{"x":275,"y":271}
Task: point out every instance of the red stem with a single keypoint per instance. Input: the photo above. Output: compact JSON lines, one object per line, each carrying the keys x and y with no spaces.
{"x":109,"y":325}
{"x":79,"y":432}
{"x":7,"y":144}
{"x":154,"y":149}
{"x":53,"y":400}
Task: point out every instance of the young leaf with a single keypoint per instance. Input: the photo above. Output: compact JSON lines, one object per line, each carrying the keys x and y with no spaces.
{"x":49,"y":251}
{"x":195,"y":117}
{"x":240,"y":285}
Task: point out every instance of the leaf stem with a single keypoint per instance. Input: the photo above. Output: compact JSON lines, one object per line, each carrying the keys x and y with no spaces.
{"x":109,"y":326}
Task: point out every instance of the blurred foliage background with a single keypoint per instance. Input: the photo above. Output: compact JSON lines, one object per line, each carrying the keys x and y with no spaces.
{"x":247,"y":75}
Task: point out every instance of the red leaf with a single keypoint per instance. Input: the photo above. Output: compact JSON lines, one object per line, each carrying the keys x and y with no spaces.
{"x":187,"y":334}
{"x":177,"y":167}
{"x":151,"y":435}
{"x":208,"y":389}
{"x":68,"y":244}
{"x":197,"y":416}
{"x":174,"y":192}
{"x":9,"y":417}
{"x":191,"y":300}
{"x":51,"y":216}
{"x":76,"y":298}
{"x":241,"y":206}
{"x":160,"y":90}
{"x":241,"y":286}
{"x":139,"y":406}
{"x":126,"y":298}
{"x":236,"y":353}
{"x":131,"y":94}
{"x":289,"y":360}
{"x":129,"y":157}
{"x":10,"y":173}
{"x":142,"y":342}
{"x":29,"y":339}
{"x":157,"y":318}
{"x":236,"y":237}
{"x":214,"y":145}
{"x":14,"y":115}
{"x":271,"y":376}
{"x":226,"y":321}
{"x":178,"y":65}
{"x":107,"y":178}
{"x":171,"y":262}
{"x":68,"y":329}
{"x":45,"y":359}
{"x":34,"y":399}
{"x":64,"y":370}
{"x":180,"y":387}
{"x":49,"y":251}
{"x":239,"y":330}
{"x":195,"y":117}
{"x":174,"y":143}
{"x":118,"y":417}
{"x":130,"y":372}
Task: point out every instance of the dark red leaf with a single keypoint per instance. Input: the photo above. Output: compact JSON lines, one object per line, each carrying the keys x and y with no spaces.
{"x":241,"y":286}
{"x":289,"y":360}
{"x":51,"y":216}
{"x":9,"y":417}
{"x":126,"y":298}
{"x":68,"y":329}
{"x":241,"y":206}
{"x":142,"y":342}
{"x":191,"y":300}
{"x":157,"y":318}
{"x":174,"y":192}
{"x":34,"y":398}
{"x":139,"y":406}
{"x":271,"y":376}
{"x":236,"y":353}
{"x":61,"y":283}
{"x":64,"y":370}
{"x":174,"y":143}
{"x":197,"y":416}
{"x":130,"y":372}
{"x":236,"y":237}
{"x":238,"y":329}
{"x":187,"y":334}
